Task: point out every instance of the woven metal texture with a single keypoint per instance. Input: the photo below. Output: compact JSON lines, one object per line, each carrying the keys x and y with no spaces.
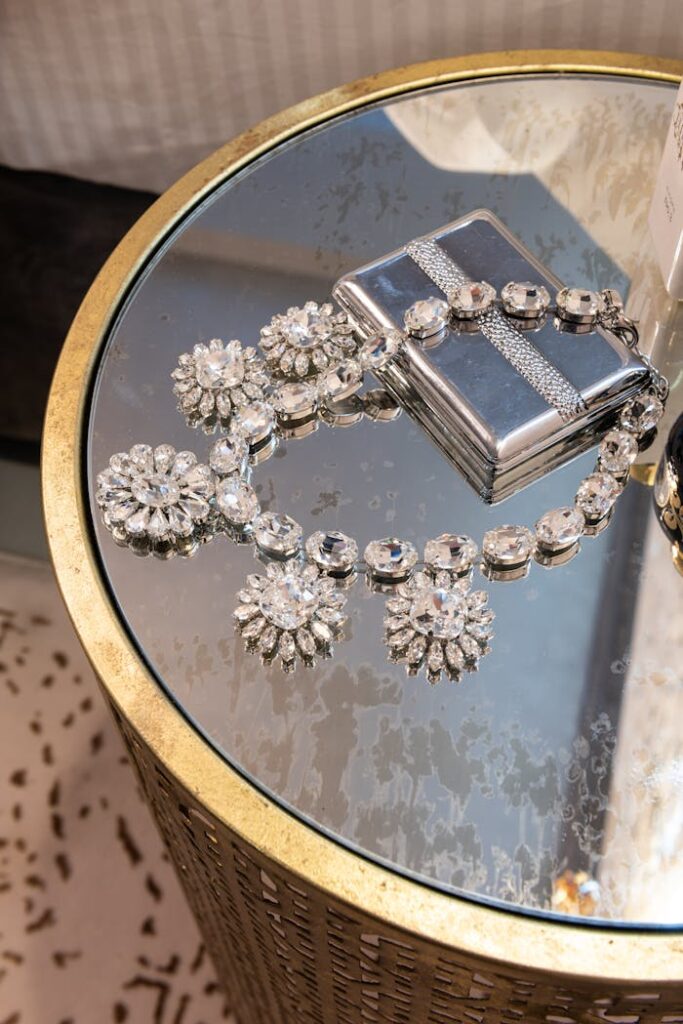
{"x":287,"y":954}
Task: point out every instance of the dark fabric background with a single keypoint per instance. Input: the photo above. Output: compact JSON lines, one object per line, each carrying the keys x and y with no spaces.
{"x":55,"y":233}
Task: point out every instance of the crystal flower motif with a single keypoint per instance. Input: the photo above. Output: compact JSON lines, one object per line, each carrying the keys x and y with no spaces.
{"x":435,"y":622}
{"x":293,"y":612}
{"x":216,"y":379}
{"x":158,"y":495}
{"x":305,"y":341}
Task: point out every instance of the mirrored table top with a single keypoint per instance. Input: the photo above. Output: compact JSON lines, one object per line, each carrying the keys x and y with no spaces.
{"x":562,"y":754}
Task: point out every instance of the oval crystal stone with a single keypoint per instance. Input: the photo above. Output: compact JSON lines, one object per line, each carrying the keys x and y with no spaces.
{"x":295,"y":400}
{"x":390,"y":558}
{"x":277,"y":534}
{"x":289,"y":601}
{"x":596,"y":495}
{"x":158,"y":490}
{"x":618,"y":449}
{"x":426,"y":317}
{"x":642,"y":414}
{"x":220,"y":367}
{"x":228,"y":455}
{"x":438,"y":612}
{"x":342,"y":380}
{"x":471,"y":299}
{"x":452,"y":552}
{"x":559,"y":529}
{"x":332,"y":550}
{"x":579,"y":305}
{"x":508,"y":546}
{"x":254,"y":422}
{"x":525,"y":299}
{"x":378,"y":350}
{"x":237,"y":500}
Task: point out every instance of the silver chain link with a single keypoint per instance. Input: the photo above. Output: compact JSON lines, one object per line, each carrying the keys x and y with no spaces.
{"x":626,"y":329}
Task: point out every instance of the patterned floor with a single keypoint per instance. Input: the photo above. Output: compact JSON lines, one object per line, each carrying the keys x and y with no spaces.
{"x":93,"y":926}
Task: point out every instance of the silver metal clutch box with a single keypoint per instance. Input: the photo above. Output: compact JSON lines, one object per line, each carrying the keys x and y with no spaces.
{"x":488,"y":412}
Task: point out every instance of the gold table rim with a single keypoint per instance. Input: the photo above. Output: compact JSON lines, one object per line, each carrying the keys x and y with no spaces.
{"x":511,"y":938}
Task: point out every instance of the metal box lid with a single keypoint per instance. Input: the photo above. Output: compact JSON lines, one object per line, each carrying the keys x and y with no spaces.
{"x":484,"y":415}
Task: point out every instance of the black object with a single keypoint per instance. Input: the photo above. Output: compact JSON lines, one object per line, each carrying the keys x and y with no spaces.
{"x":55,"y":233}
{"x":668,"y":489}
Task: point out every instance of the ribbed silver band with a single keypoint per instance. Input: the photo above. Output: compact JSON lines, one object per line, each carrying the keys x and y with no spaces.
{"x":497,"y":328}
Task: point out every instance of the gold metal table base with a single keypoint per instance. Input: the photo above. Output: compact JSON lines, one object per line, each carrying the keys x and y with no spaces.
{"x":300,"y":929}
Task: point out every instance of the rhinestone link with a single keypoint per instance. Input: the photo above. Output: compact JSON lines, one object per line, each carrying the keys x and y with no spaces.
{"x":510,"y":342}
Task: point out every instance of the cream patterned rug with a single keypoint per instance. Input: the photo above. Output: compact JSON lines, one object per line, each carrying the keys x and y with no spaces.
{"x":93,"y":926}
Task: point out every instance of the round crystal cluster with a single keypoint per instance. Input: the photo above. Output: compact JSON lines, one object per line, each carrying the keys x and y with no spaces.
{"x":434,"y":620}
{"x":291,"y":612}
{"x":216,"y":379}
{"x":154,"y":494}
{"x":303,"y":342}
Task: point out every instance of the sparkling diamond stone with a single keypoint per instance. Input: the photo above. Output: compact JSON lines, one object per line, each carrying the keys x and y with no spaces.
{"x":289,"y":601}
{"x":559,"y":529}
{"x":426,"y":317}
{"x":508,"y":546}
{"x":218,"y":368}
{"x":524,"y":299}
{"x":438,"y":612}
{"x":332,"y":551}
{"x":277,"y":534}
{"x":618,"y":449}
{"x":390,"y":558}
{"x":295,"y":401}
{"x":450,"y":551}
{"x":342,"y":380}
{"x":642,"y":414}
{"x":471,"y":299}
{"x":596,"y":495}
{"x":228,"y":455}
{"x":236,"y":500}
{"x":158,"y":490}
{"x":254,"y":422}
{"x":579,"y":305}
{"x":380,"y":349}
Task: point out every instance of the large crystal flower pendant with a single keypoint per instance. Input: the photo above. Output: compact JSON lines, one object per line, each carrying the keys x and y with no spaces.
{"x":305,"y":342}
{"x":155,"y":496}
{"x":215,"y":380}
{"x":435,"y":622}
{"x":293,"y":612}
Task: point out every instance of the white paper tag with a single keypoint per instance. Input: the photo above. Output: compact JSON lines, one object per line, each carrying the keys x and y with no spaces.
{"x":666,"y":211}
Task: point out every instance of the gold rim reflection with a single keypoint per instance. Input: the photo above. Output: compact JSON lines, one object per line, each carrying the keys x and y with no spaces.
{"x":524,"y":943}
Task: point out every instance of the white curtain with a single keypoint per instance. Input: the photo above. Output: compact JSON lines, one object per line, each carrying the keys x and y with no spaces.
{"x":134,"y":92}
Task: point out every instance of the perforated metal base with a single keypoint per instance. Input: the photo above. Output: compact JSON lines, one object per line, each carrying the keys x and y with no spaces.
{"x":286,"y":954}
